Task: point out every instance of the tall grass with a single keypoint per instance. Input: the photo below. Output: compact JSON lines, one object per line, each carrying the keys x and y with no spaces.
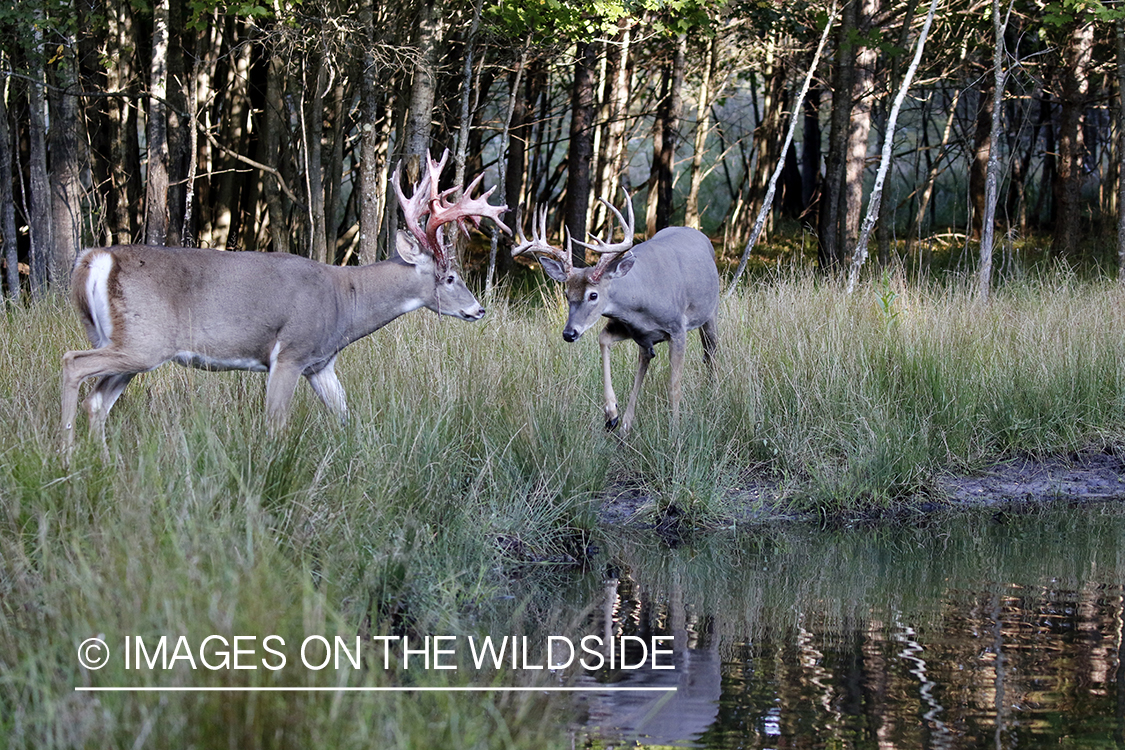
{"x":473,"y":452}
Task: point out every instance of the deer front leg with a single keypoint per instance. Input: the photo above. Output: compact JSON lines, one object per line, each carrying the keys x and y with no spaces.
{"x":606,"y":339}
{"x":327,"y":386}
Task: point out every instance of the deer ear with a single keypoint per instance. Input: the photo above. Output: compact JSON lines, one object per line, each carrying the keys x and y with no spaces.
{"x":621,"y":266}
{"x":409,"y":249}
{"x":553,"y":268}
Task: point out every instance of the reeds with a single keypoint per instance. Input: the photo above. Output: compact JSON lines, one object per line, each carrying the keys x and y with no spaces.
{"x":472,"y":452}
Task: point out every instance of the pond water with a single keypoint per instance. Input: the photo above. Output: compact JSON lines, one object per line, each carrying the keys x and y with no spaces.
{"x":992,"y":629}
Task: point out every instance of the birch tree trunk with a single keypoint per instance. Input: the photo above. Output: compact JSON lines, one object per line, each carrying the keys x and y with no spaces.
{"x":859,"y":256}
{"x":992,"y":175}
{"x":859,"y":127}
{"x":156,"y":195}
{"x":505,"y":141}
{"x":794,"y":118}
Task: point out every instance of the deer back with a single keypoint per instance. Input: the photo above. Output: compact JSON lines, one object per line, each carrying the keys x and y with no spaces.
{"x":672,"y":284}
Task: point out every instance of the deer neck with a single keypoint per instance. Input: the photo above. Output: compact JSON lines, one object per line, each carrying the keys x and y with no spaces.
{"x":375,"y":294}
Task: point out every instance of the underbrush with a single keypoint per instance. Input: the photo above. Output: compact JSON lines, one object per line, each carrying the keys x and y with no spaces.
{"x":474,"y":453}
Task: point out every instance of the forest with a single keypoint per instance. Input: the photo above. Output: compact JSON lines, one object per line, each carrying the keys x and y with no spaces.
{"x":274,"y":126}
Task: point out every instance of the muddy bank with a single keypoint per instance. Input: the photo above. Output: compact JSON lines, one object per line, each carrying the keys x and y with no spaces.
{"x":1087,"y":476}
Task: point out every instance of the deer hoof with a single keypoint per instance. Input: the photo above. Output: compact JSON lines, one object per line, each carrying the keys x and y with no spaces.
{"x":611,"y":424}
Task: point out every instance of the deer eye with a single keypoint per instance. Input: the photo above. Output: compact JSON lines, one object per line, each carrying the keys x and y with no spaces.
{"x":593,"y":297}
{"x":450,"y":279}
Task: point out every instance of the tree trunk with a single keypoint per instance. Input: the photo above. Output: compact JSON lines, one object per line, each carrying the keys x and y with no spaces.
{"x":810,"y":149}
{"x":887,"y":224}
{"x":581,"y":147}
{"x":763,"y":212}
{"x":702,"y":126}
{"x":992,"y":176}
{"x":177,"y":132}
{"x":312,"y":130}
{"x":7,"y":201}
{"x":66,"y":168}
{"x":931,"y":176}
{"x":982,"y":146}
{"x":226,"y":220}
{"x":372,"y":146}
{"x":275,"y":124}
{"x":39,"y":200}
{"x":504,"y":198}
{"x":124,"y":196}
{"x":829,"y":250}
{"x":662,"y":181}
{"x":156,"y":196}
{"x":859,"y":131}
{"x":620,"y":65}
{"x":334,"y":170}
{"x":423,"y":89}
{"x":1120,"y":28}
{"x":1074,"y":87}
{"x":873,"y":202}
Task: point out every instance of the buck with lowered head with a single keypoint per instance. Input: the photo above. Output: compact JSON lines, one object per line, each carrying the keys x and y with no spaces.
{"x":656,"y":291}
{"x":283,"y":314}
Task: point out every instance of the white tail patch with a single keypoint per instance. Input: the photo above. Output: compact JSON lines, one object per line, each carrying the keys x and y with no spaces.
{"x":97,"y":296}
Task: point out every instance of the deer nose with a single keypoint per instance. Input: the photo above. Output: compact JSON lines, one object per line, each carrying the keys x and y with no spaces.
{"x":569,"y":334}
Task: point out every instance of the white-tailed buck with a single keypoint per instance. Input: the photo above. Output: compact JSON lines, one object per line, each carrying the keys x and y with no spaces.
{"x":656,"y":291}
{"x":283,"y":314}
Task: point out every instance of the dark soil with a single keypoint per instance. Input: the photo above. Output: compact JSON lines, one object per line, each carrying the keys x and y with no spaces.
{"x":1086,"y":476}
{"x":1090,"y":475}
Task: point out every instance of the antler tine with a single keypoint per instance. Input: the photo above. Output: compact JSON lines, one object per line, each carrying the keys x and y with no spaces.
{"x":443,"y":211}
{"x":415,"y":207}
{"x":608,"y":252}
{"x":538,"y":242}
{"x":627,"y":226}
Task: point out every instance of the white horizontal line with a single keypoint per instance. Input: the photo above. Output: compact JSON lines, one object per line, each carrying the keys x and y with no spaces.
{"x":470,"y":689}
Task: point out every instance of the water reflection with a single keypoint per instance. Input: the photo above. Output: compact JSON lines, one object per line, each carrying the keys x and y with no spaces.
{"x":986,"y":631}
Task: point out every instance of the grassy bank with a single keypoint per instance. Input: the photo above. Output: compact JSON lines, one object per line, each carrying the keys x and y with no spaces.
{"x":472,"y":452}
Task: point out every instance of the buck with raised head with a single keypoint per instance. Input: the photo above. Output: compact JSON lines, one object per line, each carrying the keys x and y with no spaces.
{"x":283,"y":314}
{"x":656,"y":291}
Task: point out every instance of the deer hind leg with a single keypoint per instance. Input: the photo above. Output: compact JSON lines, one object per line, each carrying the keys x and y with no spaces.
{"x":645,"y":354}
{"x":327,"y":386}
{"x":114,"y":369}
{"x":280,"y":386}
{"x":677,"y":345}
{"x":606,"y":339}
{"x":102,"y":398}
{"x":709,"y":335}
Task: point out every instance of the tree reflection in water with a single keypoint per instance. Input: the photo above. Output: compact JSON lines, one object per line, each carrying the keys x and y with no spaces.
{"x":999,"y":630}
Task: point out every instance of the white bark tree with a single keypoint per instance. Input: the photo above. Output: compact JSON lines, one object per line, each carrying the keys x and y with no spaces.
{"x":859,"y":256}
